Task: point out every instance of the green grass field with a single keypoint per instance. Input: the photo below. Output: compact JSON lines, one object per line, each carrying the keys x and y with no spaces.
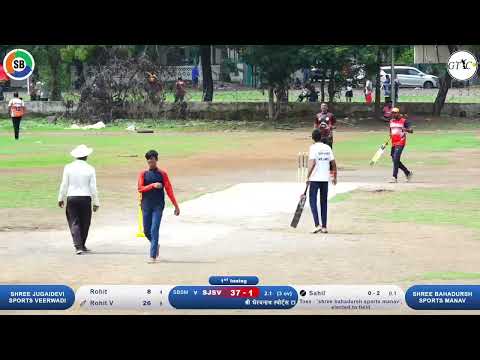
{"x":450,"y":275}
{"x":420,"y":145}
{"x":43,"y":149}
{"x":46,"y":146}
{"x":434,"y":207}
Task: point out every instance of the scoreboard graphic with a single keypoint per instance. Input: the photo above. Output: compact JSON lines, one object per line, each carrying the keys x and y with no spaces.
{"x":238,"y":293}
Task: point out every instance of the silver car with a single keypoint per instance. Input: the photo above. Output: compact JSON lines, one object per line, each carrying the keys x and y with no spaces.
{"x":410,"y":77}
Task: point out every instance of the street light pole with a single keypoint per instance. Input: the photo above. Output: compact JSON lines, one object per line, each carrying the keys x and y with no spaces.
{"x":392,"y":83}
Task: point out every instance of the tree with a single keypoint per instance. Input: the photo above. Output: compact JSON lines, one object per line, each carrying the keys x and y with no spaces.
{"x":445,"y":82}
{"x":78,"y":55}
{"x":205,"y":56}
{"x":275,"y":65}
{"x":372,"y":57}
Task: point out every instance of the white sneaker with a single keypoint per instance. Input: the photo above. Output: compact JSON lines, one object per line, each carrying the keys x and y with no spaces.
{"x":317,"y":229}
{"x":151,"y":260}
{"x":79,"y":252}
{"x":393,"y":180}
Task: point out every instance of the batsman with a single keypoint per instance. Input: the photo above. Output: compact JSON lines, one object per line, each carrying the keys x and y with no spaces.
{"x":399,"y":127}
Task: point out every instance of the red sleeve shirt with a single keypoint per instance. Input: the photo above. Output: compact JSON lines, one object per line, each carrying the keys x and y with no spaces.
{"x":168,"y":188}
{"x":166,"y":184}
{"x":141,"y":181}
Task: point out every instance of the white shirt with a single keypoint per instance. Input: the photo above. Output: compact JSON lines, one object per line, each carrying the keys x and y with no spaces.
{"x":322,"y":154}
{"x":79,"y":179}
{"x":15,"y":102}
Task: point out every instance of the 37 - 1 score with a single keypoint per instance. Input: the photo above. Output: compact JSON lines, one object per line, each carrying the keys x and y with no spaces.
{"x":244,"y":292}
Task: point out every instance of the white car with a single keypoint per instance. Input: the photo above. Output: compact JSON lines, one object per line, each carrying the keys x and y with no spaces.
{"x":410,"y":77}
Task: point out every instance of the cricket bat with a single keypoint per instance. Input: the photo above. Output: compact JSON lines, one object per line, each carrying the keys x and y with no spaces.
{"x":300,"y":206}
{"x":379,"y":153}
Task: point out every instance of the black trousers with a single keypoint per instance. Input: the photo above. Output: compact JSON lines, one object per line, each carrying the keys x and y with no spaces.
{"x":315,"y":188}
{"x":16,"y":126}
{"x":79,"y":216}
{"x":396,"y":154}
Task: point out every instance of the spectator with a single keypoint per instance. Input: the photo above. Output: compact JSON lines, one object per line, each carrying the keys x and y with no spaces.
{"x":387,"y":88}
{"x":349,"y":92}
{"x":195,"y":76}
{"x":306,"y":75}
{"x":396,"y":85}
{"x":180,"y":90}
{"x":368,"y":91}
{"x":313,"y":94}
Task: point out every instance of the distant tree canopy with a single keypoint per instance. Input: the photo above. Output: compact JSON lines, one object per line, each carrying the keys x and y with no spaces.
{"x":273,"y":64}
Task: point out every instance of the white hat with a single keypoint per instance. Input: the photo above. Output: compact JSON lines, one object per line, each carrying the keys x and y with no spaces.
{"x":81,"y":151}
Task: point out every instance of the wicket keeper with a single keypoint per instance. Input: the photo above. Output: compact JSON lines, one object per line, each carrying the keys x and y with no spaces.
{"x":325,"y":121}
{"x":399,"y":127}
{"x":152,"y":185}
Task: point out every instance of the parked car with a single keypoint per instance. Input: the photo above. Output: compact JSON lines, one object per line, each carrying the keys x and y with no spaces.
{"x":411,"y":77}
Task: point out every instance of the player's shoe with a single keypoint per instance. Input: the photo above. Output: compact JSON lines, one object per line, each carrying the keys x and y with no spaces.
{"x":324,"y":231}
{"x":79,"y":252}
{"x":85,"y":249}
{"x":393,"y":180}
{"x":316,"y":229}
{"x":151,"y":260}
{"x":409,"y":176}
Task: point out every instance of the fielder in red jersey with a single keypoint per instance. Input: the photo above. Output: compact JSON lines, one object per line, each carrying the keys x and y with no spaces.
{"x":399,"y":127}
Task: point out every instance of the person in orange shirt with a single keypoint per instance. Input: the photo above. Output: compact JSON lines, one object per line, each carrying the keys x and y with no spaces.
{"x":16,"y":107}
{"x":399,"y":127}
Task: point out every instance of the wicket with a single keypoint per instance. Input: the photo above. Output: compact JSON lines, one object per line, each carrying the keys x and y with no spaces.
{"x":302,"y":166}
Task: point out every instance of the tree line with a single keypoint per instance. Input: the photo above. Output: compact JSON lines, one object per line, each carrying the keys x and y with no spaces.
{"x":272,"y":64}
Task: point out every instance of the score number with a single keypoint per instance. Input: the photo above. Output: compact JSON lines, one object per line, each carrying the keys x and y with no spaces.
{"x":252,"y":292}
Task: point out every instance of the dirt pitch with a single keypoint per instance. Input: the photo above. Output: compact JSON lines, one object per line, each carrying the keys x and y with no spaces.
{"x":36,"y":246}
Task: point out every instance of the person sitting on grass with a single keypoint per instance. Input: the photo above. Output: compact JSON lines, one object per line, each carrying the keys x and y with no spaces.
{"x":152,"y":185}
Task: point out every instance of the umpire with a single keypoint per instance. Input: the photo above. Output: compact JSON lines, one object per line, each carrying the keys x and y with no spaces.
{"x":79,"y":188}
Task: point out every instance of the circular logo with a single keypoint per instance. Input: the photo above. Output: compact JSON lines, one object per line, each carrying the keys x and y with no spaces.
{"x":462,"y":65}
{"x":18,"y":64}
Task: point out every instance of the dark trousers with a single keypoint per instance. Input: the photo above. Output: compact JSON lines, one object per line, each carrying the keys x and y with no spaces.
{"x":16,"y":126}
{"x":79,"y":216}
{"x":396,"y":154}
{"x":152,"y":217}
{"x":322,"y":187}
